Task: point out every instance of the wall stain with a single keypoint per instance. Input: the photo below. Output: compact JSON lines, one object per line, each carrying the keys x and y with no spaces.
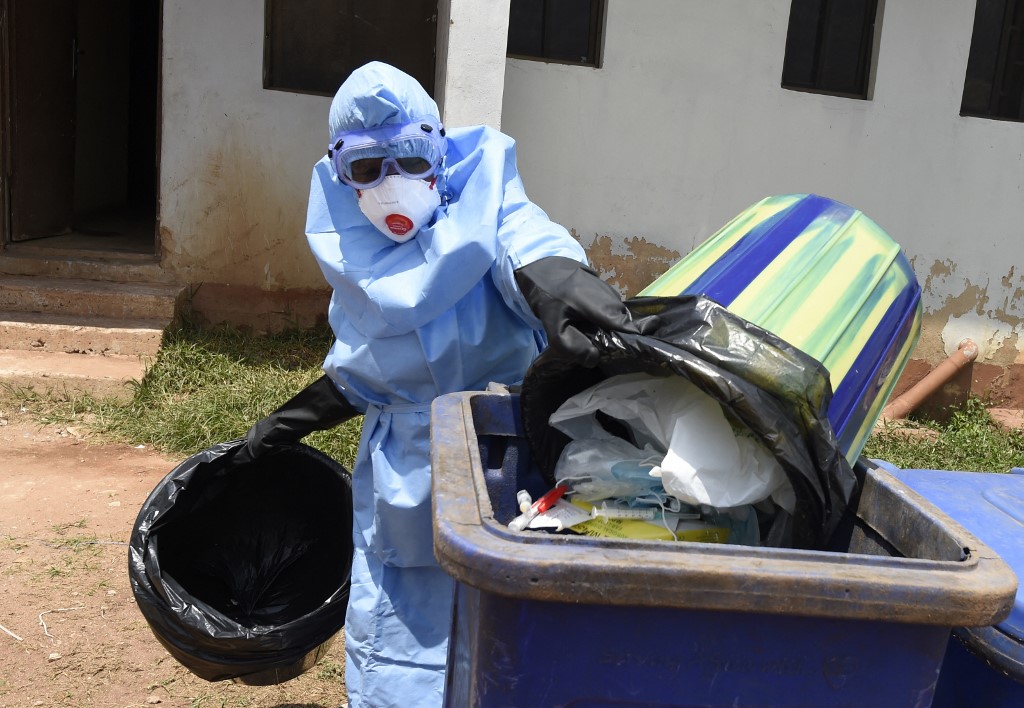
{"x":973,"y":297}
{"x":951,"y":298}
{"x":991,"y":313}
{"x":946,"y":267}
{"x":939,"y":271}
{"x":629,"y":264}
{"x":214,"y":164}
{"x":238,"y":223}
{"x":1008,"y":279}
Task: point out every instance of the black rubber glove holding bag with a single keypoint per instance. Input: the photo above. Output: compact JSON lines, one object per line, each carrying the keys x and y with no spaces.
{"x":319,"y":406}
{"x":572,"y":302}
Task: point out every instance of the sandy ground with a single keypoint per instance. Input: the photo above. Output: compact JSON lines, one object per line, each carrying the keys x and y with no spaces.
{"x":70,"y":632}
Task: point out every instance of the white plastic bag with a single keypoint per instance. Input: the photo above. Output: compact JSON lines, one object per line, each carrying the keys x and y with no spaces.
{"x":609,"y":468}
{"x":705,"y":460}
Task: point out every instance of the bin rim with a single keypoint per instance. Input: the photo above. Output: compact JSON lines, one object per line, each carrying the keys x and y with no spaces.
{"x":994,"y":646}
{"x":990,"y":503}
{"x":472,"y":547}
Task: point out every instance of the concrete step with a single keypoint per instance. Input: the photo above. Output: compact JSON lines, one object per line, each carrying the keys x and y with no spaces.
{"x":60,"y":333}
{"x":58,"y":372}
{"x":76,"y":334}
{"x":30,"y":258}
{"x":91,"y":298}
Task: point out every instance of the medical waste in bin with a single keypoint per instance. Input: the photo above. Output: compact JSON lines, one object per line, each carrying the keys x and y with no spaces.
{"x":242,"y":571}
{"x":984,"y":665}
{"x":827,"y":279}
{"x":547,"y":619}
{"x":776,"y":394}
{"x":796,"y":318}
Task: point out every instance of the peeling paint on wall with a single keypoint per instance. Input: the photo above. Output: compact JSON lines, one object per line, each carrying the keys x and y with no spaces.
{"x":989,"y":312}
{"x":629,"y":264}
{"x":988,"y":337}
{"x":944,"y":288}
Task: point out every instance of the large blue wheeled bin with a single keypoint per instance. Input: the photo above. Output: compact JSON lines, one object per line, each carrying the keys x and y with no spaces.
{"x":984,"y":666}
{"x":555,"y":620}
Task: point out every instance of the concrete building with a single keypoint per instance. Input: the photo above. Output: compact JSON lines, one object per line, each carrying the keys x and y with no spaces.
{"x":678,"y":122}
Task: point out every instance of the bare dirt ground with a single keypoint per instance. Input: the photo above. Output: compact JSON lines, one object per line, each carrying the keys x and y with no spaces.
{"x":70,"y":632}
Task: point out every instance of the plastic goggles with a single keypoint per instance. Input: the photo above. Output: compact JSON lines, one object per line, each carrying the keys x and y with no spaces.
{"x":363,"y":158}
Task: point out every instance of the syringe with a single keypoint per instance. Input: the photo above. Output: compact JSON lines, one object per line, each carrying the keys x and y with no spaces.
{"x":541,"y":505}
{"x":612,"y":512}
{"x":647,"y":513}
{"x":524,"y":500}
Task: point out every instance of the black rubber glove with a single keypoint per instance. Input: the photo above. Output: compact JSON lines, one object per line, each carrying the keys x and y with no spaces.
{"x":570,"y":300}
{"x":319,"y":406}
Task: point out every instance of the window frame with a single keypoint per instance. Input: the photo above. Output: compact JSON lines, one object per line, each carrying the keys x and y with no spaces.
{"x":1002,"y":52}
{"x":427,"y":80}
{"x":869,"y":45}
{"x":595,"y":43}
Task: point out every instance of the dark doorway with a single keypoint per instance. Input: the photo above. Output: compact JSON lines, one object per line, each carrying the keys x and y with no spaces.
{"x":83,"y":111}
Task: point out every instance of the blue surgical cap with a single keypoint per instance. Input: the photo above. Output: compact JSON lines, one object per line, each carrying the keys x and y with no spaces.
{"x":378,"y":94}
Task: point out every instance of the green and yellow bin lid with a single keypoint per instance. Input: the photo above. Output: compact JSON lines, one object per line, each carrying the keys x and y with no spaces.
{"x":827,"y":279}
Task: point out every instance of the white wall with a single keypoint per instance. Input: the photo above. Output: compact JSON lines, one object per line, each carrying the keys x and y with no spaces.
{"x":472,"y":37}
{"x":235,"y":159}
{"x":686,"y":124}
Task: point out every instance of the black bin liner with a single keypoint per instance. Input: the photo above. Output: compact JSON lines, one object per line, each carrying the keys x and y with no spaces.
{"x":242,"y":571}
{"x":775,"y":390}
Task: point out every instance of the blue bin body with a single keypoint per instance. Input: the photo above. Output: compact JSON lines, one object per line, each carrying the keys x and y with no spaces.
{"x":984,"y":666}
{"x":556,"y":620}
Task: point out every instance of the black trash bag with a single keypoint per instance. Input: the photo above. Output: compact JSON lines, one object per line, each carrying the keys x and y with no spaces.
{"x":242,"y":570}
{"x":763,"y":384}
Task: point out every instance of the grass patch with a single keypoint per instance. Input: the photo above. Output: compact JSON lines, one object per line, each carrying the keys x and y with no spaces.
{"x":12,"y":543}
{"x":971,"y":441}
{"x":76,"y":543}
{"x":330,"y":670}
{"x":63,"y":528}
{"x":209,"y":385}
{"x":206,"y":386}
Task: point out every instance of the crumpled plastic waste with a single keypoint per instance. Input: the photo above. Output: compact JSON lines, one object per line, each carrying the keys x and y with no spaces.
{"x":701,"y":458}
{"x":764,"y":385}
{"x":674,"y":468}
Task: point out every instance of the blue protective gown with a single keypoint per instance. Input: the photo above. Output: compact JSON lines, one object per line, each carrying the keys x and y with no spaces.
{"x":437,"y":314}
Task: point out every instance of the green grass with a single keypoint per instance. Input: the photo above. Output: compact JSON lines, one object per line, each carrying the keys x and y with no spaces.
{"x":970,"y":441}
{"x":209,"y":385}
{"x":330,"y":670}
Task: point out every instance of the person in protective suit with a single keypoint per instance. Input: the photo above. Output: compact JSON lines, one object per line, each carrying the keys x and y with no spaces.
{"x":446,"y":277}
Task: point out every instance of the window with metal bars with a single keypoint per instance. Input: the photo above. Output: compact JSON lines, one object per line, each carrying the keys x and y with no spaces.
{"x":829,"y":46}
{"x":994,"y":86}
{"x":563,"y":31}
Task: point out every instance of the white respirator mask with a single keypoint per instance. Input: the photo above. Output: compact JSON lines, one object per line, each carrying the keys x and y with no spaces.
{"x":400,"y":206}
